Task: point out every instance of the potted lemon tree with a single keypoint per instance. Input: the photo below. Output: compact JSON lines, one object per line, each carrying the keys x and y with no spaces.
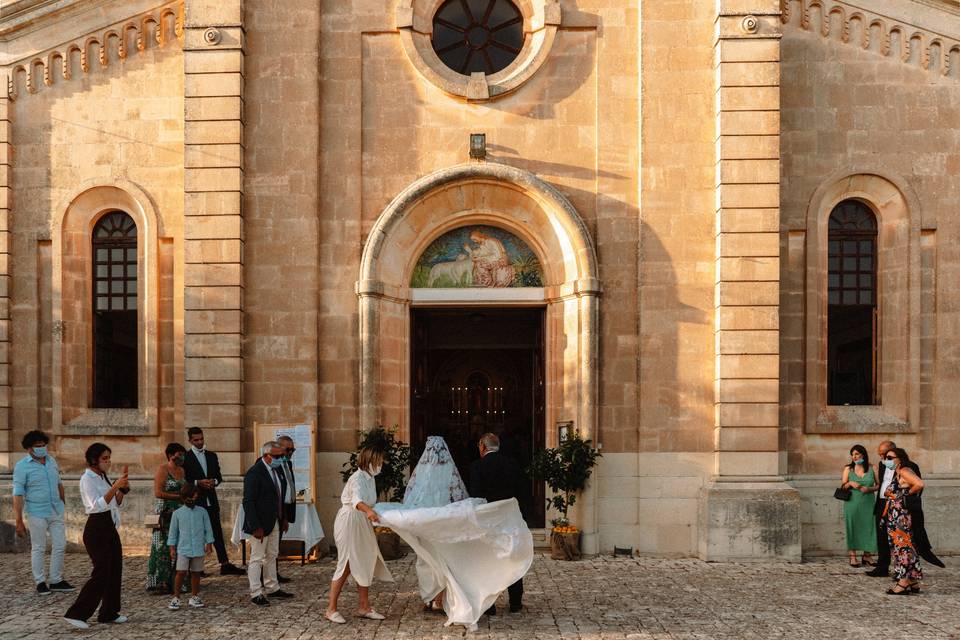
{"x":566,"y":470}
{"x":391,"y":482}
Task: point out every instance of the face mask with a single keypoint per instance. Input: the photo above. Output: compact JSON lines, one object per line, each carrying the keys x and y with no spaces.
{"x":276,"y":462}
{"x":890,"y":464}
{"x":858,"y":461}
{"x":375,"y":471}
{"x":178,"y":461}
{"x":202,"y":448}
{"x":40,"y":452}
{"x":190,"y":502}
{"x":104,"y":467}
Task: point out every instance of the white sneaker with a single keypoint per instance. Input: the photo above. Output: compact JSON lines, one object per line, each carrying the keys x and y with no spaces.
{"x":174,"y":604}
{"x":119,"y":619}
{"x":195,"y":602}
{"x":79,"y":624}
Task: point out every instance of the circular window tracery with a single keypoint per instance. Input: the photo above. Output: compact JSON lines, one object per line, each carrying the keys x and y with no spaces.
{"x":478,"y":49}
{"x":477,"y":35}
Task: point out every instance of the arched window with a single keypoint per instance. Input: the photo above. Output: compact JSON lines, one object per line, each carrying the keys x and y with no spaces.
{"x":852,"y":305}
{"x":115,"y":338}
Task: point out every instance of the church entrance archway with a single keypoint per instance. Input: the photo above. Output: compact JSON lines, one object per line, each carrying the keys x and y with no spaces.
{"x":477,"y":370}
{"x":481,"y":238}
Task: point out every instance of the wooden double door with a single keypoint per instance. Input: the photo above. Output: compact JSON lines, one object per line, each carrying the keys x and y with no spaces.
{"x":478,"y":370}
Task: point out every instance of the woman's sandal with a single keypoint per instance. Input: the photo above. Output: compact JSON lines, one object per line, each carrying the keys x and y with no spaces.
{"x":335,"y":617}
{"x":372,"y":615}
{"x":915,"y":588}
{"x":905,"y":590}
{"x":868,"y":562}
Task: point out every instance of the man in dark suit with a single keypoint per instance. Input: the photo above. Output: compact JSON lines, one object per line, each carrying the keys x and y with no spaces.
{"x":497,"y":477}
{"x":290,"y":493}
{"x":264,"y":518}
{"x":202,"y":469}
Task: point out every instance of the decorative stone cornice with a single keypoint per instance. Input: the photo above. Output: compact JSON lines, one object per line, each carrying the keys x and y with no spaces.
{"x":156,"y":27}
{"x":872,"y":31}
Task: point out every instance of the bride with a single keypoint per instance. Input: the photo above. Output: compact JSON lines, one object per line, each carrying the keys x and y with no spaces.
{"x":468,"y":551}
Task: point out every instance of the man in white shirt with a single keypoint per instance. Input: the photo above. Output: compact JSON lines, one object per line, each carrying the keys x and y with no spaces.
{"x":202,"y":469}
{"x":263,"y":519}
{"x":885,"y":477}
{"x":290,"y":493}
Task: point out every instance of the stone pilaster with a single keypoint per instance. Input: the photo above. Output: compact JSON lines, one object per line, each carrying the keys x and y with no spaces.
{"x":747,"y":511}
{"x":213,"y":224}
{"x":6,"y":161}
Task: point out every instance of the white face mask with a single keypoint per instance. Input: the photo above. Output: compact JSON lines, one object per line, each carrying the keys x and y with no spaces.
{"x":375,"y":471}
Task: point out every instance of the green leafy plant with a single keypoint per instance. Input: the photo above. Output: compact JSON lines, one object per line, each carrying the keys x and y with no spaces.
{"x":527,"y":271}
{"x":566,"y":470}
{"x":392,"y":480}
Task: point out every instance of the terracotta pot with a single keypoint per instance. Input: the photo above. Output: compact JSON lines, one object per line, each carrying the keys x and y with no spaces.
{"x":565,"y":546}
{"x":389,"y":543}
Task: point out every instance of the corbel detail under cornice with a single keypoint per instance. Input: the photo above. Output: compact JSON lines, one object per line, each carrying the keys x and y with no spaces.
{"x":156,"y":27}
{"x":910,"y":44}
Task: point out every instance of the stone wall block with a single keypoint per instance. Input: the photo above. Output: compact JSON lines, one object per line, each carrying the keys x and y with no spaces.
{"x":748,"y":268}
{"x":214,"y":369}
{"x":211,"y":346}
{"x":749,"y":245}
{"x":749,"y":366}
{"x":214,"y":228}
{"x":748,"y":293}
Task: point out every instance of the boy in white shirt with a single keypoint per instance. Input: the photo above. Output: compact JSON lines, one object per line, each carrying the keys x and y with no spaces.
{"x":190,"y":538}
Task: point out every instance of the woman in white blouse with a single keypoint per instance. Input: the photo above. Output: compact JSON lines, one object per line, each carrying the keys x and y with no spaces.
{"x":101,"y":502}
{"x":357,"y":551}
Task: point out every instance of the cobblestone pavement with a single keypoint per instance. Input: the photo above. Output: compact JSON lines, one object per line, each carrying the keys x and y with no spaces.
{"x":598,"y":599}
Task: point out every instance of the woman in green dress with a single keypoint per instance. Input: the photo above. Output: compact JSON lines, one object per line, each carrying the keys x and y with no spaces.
{"x":858,"y":476}
{"x":167,"y":483}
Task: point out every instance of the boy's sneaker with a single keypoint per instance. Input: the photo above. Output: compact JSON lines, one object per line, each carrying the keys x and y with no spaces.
{"x":195,"y":602}
{"x":43,"y":589}
{"x":174,"y":604}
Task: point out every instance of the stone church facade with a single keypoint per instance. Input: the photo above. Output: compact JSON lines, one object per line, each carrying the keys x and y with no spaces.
{"x":717,"y":237}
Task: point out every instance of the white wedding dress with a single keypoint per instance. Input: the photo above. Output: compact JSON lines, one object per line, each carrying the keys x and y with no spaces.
{"x":466,"y":547}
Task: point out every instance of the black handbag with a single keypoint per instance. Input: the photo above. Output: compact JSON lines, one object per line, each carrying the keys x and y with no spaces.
{"x":842,"y":494}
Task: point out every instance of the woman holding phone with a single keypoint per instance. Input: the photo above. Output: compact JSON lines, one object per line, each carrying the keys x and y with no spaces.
{"x":101,"y":501}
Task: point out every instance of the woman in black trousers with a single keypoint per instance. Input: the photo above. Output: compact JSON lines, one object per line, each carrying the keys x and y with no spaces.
{"x":101,"y":501}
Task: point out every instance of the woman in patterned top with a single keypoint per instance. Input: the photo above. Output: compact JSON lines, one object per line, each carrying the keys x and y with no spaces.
{"x":167,"y":482}
{"x":906,"y":562}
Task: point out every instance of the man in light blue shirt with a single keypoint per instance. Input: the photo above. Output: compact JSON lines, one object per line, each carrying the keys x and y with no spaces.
{"x":37,"y":489}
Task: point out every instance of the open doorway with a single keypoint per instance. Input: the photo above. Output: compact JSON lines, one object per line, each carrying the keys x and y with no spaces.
{"x":474,"y":370}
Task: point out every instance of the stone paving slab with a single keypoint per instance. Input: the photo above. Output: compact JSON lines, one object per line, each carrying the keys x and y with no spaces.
{"x":597,"y":599}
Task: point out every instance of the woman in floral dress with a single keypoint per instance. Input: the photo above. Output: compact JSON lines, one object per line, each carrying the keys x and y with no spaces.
{"x":899,"y":522}
{"x":167,"y":483}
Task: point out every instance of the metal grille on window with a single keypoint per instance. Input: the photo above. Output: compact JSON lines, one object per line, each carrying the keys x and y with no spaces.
{"x":852,"y":255}
{"x":852,"y":305}
{"x":477,"y":35}
{"x":115,"y":325}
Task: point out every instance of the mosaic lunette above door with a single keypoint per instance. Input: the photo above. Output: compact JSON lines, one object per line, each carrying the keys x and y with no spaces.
{"x":477,"y":256}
